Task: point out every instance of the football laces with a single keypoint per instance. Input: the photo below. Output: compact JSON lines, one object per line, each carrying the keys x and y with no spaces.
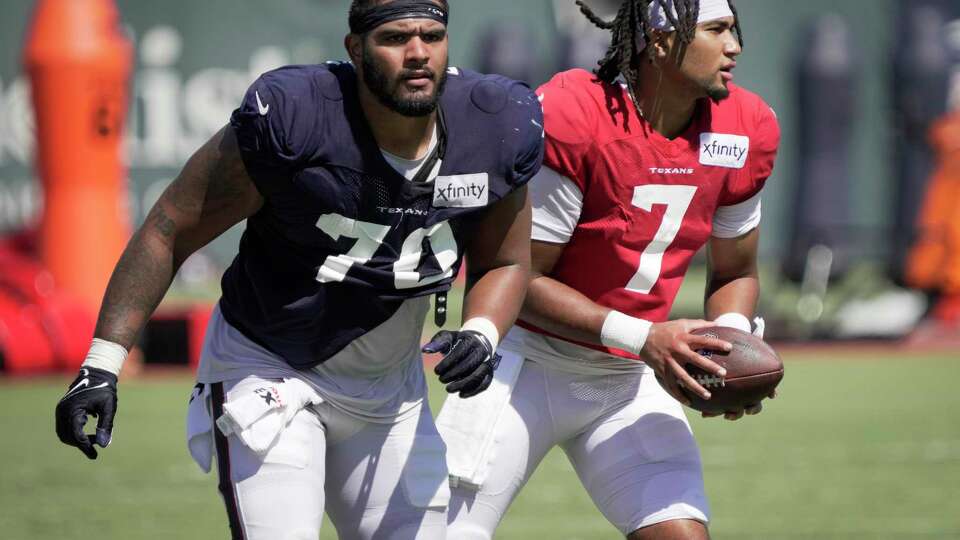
{"x":710,"y":381}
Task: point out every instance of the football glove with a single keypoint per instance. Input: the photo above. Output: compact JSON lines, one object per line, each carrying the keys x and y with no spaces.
{"x":93,"y":392}
{"x":468,"y":361}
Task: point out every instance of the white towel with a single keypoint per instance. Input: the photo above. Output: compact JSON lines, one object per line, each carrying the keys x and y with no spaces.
{"x":257,"y":415}
{"x":200,"y":427}
{"x":467,"y":425}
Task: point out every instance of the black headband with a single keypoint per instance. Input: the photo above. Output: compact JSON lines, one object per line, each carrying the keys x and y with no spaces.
{"x":367,"y":20}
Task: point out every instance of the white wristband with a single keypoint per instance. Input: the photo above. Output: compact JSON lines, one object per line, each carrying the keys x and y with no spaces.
{"x":486,"y":327}
{"x":734,"y":320}
{"x":105,"y":355}
{"x":621,"y":331}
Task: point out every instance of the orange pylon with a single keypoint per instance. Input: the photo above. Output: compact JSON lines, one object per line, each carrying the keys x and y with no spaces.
{"x":80,"y":62}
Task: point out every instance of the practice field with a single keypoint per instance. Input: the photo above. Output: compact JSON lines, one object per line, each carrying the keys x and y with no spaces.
{"x":859,"y":445}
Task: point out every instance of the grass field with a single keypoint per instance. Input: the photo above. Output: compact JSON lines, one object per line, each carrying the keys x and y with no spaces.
{"x":858,"y":446}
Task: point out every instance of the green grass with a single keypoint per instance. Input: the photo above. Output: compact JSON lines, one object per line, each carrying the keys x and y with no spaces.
{"x":856,"y":447}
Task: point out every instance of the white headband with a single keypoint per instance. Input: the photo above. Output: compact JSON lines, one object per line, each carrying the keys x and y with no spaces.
{"x":709,"y":10}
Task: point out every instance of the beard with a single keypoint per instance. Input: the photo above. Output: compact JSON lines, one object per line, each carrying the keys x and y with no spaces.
{"x":718,"y":93}
{"x":388,"y":92}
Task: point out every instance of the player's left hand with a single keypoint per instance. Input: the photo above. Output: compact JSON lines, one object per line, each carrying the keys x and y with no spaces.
{"x":756,"y":408}
{"x":468,"y":361}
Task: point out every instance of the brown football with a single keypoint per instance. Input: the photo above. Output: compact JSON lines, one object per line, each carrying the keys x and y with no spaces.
{"x":753,"y":370}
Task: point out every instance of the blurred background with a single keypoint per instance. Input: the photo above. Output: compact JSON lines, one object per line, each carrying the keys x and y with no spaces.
{"x":102,"y":102}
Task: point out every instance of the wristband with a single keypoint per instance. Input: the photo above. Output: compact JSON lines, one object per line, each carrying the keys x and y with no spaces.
{"x":485,"y":327}
{"x":621,"y":331}
{"x":734,"y":320}
{"x":105,"y":355}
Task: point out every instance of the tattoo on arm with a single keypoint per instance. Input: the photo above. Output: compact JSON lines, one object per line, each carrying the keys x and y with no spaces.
{"x":162,"y":223}
{"x":139,"y":282}
{"x":211,"y":194}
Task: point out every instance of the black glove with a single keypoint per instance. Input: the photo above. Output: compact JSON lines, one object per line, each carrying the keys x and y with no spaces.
{"x":468,"y":362}
{"x":93,"y":392}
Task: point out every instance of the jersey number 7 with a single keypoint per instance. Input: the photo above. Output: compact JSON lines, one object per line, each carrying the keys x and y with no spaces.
{"x":677,"y":199}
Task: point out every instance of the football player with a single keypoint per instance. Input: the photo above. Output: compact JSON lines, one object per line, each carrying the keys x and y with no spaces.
{"x":655,"y":156}
{"x":363,"y":185}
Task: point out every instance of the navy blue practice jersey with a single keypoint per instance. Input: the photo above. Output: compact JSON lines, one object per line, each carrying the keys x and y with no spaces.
{"x":342,"y":238}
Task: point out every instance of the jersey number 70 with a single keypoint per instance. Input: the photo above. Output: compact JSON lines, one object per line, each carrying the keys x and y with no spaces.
{"x":370,"y":237}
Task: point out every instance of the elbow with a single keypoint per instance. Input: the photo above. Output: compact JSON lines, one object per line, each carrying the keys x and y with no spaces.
{"x":181,"y":251}
{"x":717,"y":281}
{"x":516,"y":270}
{"x":743,"y":269}
{"x":164,"y":248}
{"x":178,"y":260}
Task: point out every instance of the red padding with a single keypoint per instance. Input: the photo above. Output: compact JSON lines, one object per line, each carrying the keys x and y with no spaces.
{"x":23,"y":340}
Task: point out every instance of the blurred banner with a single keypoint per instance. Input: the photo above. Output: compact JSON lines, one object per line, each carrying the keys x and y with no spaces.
{"x":193,"y":61}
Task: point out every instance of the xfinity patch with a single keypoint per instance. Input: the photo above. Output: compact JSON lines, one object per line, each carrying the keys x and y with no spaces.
{"x":724,"y":150}
{"x":461,"y":190}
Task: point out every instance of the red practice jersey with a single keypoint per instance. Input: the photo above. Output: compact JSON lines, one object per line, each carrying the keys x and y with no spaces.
{"x":648,"y":202}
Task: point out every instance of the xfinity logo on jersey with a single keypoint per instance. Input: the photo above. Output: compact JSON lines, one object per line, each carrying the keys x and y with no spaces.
{"x":461,"y":190}
{"x":724,"y":150}
{"x":668,"y":170}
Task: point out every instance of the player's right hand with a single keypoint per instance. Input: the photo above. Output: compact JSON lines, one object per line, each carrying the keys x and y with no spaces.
{"x":93,"y":392}
{"x":670,"y":346}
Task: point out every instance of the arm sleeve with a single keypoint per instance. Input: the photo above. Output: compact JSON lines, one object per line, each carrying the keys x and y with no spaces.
{"x":765,"y":140}
{"x":737,"y":220}
{"x":557,"y":202}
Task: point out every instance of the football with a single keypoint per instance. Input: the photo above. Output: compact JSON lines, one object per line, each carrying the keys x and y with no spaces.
{"x":753,"y":370}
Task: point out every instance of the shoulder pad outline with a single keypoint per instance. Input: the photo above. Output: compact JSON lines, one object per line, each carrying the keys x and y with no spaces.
{"x":329,"y":84}
{"x":489,"y":96}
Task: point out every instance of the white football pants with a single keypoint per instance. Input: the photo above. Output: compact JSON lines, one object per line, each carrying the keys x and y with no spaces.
{"x":376,"y":481}
{"x":627,"y":439}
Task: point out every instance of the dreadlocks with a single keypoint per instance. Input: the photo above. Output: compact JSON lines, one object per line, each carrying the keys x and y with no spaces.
{"x":633,"y":22}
